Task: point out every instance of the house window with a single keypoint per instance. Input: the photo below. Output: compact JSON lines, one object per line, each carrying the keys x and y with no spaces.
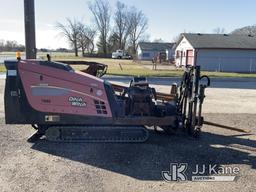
{"x":177,"y":54}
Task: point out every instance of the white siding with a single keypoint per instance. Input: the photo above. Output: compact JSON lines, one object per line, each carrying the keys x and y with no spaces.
{"x":229,"y":60}
{"x":183,"y":46}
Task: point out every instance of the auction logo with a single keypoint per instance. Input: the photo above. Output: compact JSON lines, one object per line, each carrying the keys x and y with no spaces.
{"x":179,"y":172}
{"x":176,"y":173}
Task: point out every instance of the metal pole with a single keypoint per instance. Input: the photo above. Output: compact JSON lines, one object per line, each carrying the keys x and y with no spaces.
{"x":30,"y":36}
{"x":219,"y":64}
{"x":195,"y":57}
{"x":250,"y":65}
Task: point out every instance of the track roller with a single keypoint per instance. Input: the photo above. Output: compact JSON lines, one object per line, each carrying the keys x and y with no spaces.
{"x":115,"y":134}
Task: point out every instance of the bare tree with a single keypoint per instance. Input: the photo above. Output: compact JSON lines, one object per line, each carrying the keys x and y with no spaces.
{"x":86,"y":38}
{"x":121,"y":24}
{"x":176,"y":38}
{"x":91,"y":33}
{"x":113,"y":42}
{"x":219,"y":30}
{"x":82,"y":38}
{"x":71,"y":32}
{"x":247,"y":30}
{"x":101,"y":12}
{"x":158,"y":40}
{"x":1,"y":45}
{"x":11,"y":46}
{"x":138,"y":24}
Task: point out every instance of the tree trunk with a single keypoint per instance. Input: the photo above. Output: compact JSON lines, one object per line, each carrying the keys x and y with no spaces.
{"x":75,"y":48}
{"x":120,"y":43}
{"x":105,"y":48}
{"x":134,"y":47}
{"x":83,"y":51}
{"x":91,"y":51}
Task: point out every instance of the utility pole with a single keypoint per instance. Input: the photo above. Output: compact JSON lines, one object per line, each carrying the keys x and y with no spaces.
{"x":30,"y":36}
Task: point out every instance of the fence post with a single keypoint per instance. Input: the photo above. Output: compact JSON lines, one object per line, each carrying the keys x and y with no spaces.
{"x":250,"y":65}
{"x":219,"y":64}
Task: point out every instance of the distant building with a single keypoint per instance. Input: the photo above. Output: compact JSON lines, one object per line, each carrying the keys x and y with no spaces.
{"x":217,"y":52}
{"x":148,"y":50}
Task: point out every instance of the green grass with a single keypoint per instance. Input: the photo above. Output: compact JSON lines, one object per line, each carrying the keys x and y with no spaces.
{"x":2,"y":68}
{"x":177,"y":73}
{"x":143,"y":72}
{"x":229,"y":75}
{"x":132,"y":68}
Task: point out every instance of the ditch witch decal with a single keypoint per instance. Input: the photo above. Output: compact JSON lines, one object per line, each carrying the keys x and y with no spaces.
{"x":77,"y":101}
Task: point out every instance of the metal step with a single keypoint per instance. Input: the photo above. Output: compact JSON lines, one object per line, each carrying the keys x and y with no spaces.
{"x":113,"y":134}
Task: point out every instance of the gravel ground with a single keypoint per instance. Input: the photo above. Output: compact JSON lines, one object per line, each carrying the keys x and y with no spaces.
{"x":46,"y":166}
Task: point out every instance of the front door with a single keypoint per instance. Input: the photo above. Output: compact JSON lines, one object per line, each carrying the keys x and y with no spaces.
{"x":190,"y":57}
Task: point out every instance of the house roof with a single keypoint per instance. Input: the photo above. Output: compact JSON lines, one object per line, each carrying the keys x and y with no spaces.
{"x":148,"y":46}
{"x":222,"y":41}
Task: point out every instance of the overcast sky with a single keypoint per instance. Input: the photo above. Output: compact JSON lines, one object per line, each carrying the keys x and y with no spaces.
{"x":167,"y":18}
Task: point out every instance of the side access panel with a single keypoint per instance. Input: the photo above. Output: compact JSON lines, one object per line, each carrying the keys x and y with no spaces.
{"x":52,"y":90}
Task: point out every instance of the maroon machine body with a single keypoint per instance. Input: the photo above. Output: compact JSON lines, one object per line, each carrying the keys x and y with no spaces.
{"x":67,"y":105}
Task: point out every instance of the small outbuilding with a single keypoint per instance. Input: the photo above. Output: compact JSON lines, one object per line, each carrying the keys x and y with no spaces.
{"x":149,"y":50}
{"x":217,"y":52}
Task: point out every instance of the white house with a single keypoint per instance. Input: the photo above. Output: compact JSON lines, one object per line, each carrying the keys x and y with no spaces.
{"x":217,"y":52}
{"x":148,"y":50}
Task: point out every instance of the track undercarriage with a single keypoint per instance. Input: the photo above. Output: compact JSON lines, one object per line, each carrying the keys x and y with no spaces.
{"x":97,"y":133}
